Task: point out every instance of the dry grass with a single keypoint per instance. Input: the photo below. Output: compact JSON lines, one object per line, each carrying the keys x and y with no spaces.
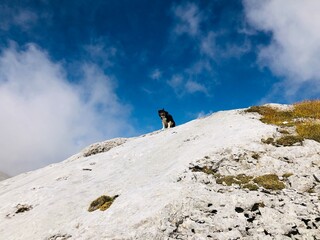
{"x":289,"y":140}
{"x":271,"y":115}
{"x":103,"y":203}
{"x":309,"y":130}
{"x":267,"y":181}
{"x":252,"y":183}
{"x":305,"y":117}
{"x":308,"y":109}
{"x":251,"y":186}
{"x":270,"y":181}
{"x":229,"y":180}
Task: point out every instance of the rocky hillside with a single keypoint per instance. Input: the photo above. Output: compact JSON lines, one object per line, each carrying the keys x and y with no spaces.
{"x":225,"y":176}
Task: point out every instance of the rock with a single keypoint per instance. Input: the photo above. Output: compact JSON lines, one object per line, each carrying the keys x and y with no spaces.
{"x":301,"y":184}
{"x":317,"y":177}
{"x":103,"y":146}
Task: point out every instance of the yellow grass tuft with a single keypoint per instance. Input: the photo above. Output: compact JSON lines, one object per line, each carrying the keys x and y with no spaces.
{"x":308,"y":109}
{"x":267,"y":181}
{"x":103,"y":203}
{"x":289,"y":140}
{"x":305,"y":117}
{"x":309,"y":130}
{"x":270,"y":181}
{"x":271,"y":115}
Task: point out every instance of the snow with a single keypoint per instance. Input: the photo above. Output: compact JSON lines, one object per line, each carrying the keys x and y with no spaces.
{"x":3,"y":176}
{"x":281,"y":107}
{"x":158,"y":195}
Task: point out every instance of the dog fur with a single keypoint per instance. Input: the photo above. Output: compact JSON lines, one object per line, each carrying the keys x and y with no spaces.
{"x":166,"y":118}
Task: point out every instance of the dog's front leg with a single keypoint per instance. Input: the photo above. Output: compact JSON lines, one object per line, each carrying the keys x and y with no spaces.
{"x":163,"y":126}
{"x":169,"y":124}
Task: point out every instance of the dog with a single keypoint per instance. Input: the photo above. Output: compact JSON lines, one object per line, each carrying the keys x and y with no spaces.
{"x":166,"y":118}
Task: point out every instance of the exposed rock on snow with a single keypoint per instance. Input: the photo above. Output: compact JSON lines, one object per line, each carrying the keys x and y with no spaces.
{"x":268,"y":214}
{"x":102,"y":146}
{"x":59,"y":237}
{"x":189,"y":182}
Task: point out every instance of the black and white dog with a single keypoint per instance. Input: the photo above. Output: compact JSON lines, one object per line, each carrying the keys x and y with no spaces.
{"x":167,"y":119}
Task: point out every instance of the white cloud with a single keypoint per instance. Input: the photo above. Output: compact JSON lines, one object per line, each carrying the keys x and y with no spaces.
{"x":156,"y":74}
{"x":99,"y":52}
{"x":199,"y":67}
{"x":294,"y":51}
{"x":182,"y":86}
{"x":208,"y":45}
{"x":193,"y":87}
{"x":16,"y":17}
{"x":176,"y":81}
{"x":212,"y":50}
{"x":188,"y":19}
{"x":25,"y":18}
{"x":177,"y":84}
{"x":44,"y":118}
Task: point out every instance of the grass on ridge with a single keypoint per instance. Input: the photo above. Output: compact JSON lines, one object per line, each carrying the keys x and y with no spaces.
{"x":271,"y":115}
{"x":309,"y":130}
{"x":304,"y":116}
{"x":308,"y":109}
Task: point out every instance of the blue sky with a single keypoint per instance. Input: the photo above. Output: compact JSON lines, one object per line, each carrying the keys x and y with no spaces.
{"x":76,"y":72}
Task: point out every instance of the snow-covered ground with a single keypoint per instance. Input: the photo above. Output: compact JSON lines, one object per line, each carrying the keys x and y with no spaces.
{"x":161,"y":197}
{"x":3,"y":176}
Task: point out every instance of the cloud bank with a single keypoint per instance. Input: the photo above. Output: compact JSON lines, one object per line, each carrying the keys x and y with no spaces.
{"x":294,"y":50}
{"x":44,"y":117}
{"x":187,"y":26}
{"x":188,"y":19}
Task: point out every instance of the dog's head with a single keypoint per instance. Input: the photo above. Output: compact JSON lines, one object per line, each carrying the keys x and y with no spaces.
{"x":162,"y":113}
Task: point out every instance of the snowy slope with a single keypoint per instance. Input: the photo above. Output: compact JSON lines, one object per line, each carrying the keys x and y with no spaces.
{"x":159,"y":196}
{"x":3,"y":176}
